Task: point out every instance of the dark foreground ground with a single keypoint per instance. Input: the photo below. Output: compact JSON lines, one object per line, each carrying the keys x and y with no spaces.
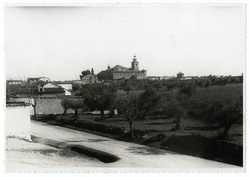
{"x":193,"y":139}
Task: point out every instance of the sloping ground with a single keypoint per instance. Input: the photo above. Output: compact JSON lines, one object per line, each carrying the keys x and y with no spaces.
{"x":131,"y":156}
{"x":27,"y":156}
{"x":197,"y":145}
{"x":194,"y":144}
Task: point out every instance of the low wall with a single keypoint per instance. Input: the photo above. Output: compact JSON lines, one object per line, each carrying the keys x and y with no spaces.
{"x":50,"y":106}
{"x":44,"y":105}
{"x":17,"y":120}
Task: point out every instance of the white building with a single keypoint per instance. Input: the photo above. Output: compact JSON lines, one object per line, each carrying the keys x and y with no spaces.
{"x":37,"y":79}
{"x":17,"y":124}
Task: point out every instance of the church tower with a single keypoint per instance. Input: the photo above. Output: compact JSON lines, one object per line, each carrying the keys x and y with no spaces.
{"x":135,"y":64}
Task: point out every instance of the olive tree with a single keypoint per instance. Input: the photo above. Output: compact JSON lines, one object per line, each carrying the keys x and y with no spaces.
{"x":177,"y":106}
{"x":128,"y":105}
{"x":76,"y":104}
{"x":98,"y":96}
{"x":72,"y":103}
{"x":223,"y":112}
{"x":65,"y":103}
{"x":148,"y":101}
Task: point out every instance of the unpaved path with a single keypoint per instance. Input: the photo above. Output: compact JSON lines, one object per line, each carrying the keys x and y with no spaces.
{"x":131,"y":155}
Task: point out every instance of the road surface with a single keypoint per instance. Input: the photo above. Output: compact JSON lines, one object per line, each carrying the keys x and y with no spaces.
{"x":131,"y":155}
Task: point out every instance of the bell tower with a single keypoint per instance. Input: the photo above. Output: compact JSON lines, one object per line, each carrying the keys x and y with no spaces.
{"x":135,"y":64}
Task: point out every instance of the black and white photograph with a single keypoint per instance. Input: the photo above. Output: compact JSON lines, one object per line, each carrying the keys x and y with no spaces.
{"x":125,"y":87}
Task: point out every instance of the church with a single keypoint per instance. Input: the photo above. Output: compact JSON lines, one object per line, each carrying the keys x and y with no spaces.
{"x":121,"y":72}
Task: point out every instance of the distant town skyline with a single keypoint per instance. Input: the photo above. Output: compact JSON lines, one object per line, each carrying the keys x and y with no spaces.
{"x":60,"y":42}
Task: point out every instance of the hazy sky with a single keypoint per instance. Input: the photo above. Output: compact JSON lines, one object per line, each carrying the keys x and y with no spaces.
{"x":60,"y":42}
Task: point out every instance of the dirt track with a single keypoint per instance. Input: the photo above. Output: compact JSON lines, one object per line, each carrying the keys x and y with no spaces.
{"x":49,"y":153}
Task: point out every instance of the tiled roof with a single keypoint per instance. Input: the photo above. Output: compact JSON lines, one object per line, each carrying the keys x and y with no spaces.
{"x":15,"y":81}
{"x":128,"y":71}
{"x":16,"y":104}
{"x":119,"y":67}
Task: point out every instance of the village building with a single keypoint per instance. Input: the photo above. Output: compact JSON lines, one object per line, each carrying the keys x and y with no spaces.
{"x":17,"y":122}
{"x":37,"y":79}
{"x":51,"y":89}
{"x":67,"y":85}
{"x":153,"y":78}
{"x":14,"y":82}
{"x":121,"y":72}
{"x":89,"y":78}
{"x":46,"y":89}
{"x":78,"y":83}
{"x":166,"y":77}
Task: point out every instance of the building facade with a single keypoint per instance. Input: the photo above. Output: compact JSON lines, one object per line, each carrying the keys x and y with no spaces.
{"x":14,"y":82}
{"x":89,"y":78}
{"x":121,"y":72}
{"x":37,"y":79}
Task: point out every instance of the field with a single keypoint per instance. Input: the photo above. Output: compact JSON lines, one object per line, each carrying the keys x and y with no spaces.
{"x":195,"y":138}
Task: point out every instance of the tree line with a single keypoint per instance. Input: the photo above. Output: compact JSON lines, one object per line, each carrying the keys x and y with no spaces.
{"x":138,"y":106}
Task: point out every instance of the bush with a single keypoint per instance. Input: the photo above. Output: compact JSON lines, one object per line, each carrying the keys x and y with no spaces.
{"x":48,"y":117}
{"x":93,"y":126}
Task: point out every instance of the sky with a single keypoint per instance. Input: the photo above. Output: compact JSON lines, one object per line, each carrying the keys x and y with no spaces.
{"x":60,"y":42}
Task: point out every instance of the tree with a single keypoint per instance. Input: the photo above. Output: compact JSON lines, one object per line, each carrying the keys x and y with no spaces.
{"x":128,"y":105}
{"x":188,"y":89}
{"x":158,"y":85}
{"x":128,"y":87}
{"x":84,"y":73}
{"x":221,"y":111}
{"x":100,"y":97}
{"x":175,"y":109}
{"x":148,"y":101}
{"x":33,"y":103}
{"x":32,"y":99}
{"x":170,"y":86}
{"x":65,"y":103}
{"x":76,"y":104}
{"x":92,"y":71}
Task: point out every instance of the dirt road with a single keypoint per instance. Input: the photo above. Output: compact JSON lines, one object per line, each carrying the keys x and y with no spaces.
{"x":131,"y":155}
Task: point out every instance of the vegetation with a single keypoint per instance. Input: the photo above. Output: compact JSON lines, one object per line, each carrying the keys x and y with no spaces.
{"x":210,"y":104}
{"x":129,"y":87}
{"x":148,"y":102}
{"x":128,"y":105}
{"x":219,"y":105}
{"x":98,"y":97}
{"x":177,"y":106}
{"x":74,"y":104}
{"x":65,"y":103}
{"x":84,"y":73}
{"x":199,"y":113}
